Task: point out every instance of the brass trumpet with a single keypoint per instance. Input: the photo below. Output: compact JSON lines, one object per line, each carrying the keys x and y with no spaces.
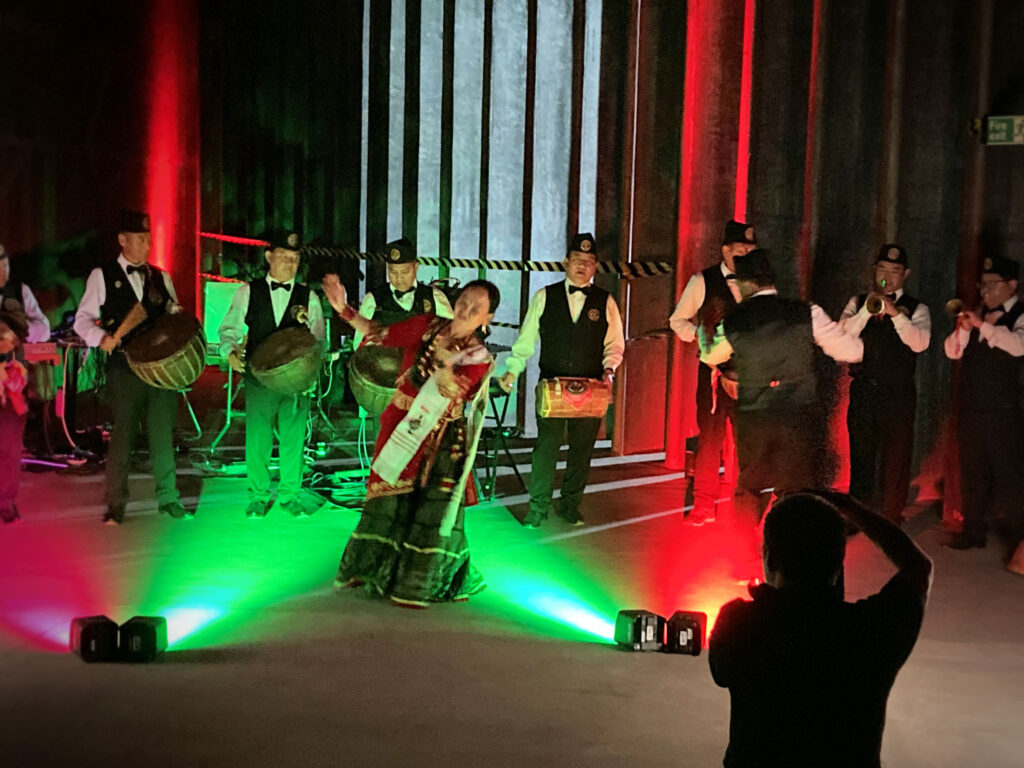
{"x":875,"y":305}
{"x":954,"y":307}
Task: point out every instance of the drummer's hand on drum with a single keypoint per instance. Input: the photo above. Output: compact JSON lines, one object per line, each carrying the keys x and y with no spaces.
{"x":236,"y":362}
{"x":507,"y":381}
{"x":109,"y":343}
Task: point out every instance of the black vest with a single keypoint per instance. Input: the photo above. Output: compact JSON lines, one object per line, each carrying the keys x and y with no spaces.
{"x":990,"y":379}
{"x":568,"y":348}
{"x":718,"y":302}
{"x":887,"y":360}
{"x":12,"y":291}
{"x":121,"y":298}
{"x":388,"y":311}
{"x":773,"y":344}
{"x":259,"y":317}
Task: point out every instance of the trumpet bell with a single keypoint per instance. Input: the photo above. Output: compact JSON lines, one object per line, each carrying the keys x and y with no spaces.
{"x":874,"y":304}
{"x":954,"y":307}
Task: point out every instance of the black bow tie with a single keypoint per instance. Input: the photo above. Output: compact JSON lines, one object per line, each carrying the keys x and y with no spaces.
{"x":399,"y":294}
{"x":891,"y":296}
{"x":274,"y":285}
{"x":131,"y":269}
{"x":585,"y":290}
{"x":730,"y":276}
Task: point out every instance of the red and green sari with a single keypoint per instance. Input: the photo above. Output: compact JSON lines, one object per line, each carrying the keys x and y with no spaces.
{"x":410,"y":544}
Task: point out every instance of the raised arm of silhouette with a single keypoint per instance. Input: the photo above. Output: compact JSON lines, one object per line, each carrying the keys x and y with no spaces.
{"x":808,"y":674}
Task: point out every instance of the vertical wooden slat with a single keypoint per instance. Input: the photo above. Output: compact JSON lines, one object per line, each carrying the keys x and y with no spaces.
{"x":579,"y":17}
{"x":410,"y":168}
{"x":892,"y":122}
{"x":447,"y":135}
{"x":528,"y":140}
{"x":378,"y":122}
{"x":485,"y":128}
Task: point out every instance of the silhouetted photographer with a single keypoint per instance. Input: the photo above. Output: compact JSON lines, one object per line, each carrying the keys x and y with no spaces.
{"x":809,"y":674}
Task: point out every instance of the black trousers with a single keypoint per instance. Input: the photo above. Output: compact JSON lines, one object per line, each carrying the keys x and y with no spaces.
{"x":582,"y":434}
{"x":881,"y":426}
{"x":132,"y":399}
{"x":992,"y":469}
{"x":711,"y":441}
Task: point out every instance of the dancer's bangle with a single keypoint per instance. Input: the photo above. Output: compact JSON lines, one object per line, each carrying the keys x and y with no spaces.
{"x":346,"y":313}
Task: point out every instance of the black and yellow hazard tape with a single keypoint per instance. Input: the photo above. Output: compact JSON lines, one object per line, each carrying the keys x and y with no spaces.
{"x":628,"y":269}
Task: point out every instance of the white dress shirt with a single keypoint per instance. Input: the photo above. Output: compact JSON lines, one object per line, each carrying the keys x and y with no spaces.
{"x":681,"y":319}
{"x":1009,"y":340}
{"x":529,"y":334}
{"x":87,"y":317}
{"x":834,"y":342}
{"x":914,"y":331}
{"x":233,"y":327}
{"x":38,"y":324}
{"x":442,"y":308}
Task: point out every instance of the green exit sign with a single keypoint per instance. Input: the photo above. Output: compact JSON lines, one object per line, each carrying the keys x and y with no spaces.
{"x":1005,"y":130}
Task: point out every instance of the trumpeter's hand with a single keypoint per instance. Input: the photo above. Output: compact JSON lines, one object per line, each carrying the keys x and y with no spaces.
{"x":236,"y":362}
{"x":507,"y":381}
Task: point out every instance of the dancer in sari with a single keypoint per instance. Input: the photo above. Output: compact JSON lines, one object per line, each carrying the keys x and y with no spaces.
{"x":410,"y":544}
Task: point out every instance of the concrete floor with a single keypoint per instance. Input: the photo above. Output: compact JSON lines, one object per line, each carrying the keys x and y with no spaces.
{"x":286,"y":673}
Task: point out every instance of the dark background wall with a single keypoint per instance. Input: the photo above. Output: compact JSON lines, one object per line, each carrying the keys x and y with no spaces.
{"x":859,"y":133}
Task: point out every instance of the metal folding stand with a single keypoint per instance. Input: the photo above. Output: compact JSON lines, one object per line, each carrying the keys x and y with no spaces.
{"x":229,"y":412}
{"x":497,"y":440}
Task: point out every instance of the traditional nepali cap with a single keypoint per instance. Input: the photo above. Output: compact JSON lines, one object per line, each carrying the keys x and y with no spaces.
{"x":400,"y":251}
{"x":738,"y":232}
{"x":1008,"y":269}
{"x":284,"y":238}
{"x":756,"y":265}
{"x":134,"y":221}
{"x":583,"y":242}
{"x":892,"y":253}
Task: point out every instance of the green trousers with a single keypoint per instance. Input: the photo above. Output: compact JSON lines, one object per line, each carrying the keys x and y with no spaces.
{"x":262,"y":406}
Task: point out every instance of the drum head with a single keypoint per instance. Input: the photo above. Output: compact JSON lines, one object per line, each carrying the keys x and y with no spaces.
{"x":282,"y":347}
{"x":166,"y":336}
{"x":378,"y":365}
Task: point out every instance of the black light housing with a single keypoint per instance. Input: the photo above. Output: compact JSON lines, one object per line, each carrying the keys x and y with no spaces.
{"x":686,"y":632}
{"x":143,"y":638}
{"x":640,"y":630}
{"x":94,"y":638}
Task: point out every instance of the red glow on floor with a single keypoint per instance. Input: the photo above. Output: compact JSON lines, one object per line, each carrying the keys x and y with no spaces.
{"x":60,"y":586}
{"x":746,"y":88}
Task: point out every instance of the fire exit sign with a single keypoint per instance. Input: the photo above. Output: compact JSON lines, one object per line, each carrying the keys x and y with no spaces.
{"x":1005,"y":130}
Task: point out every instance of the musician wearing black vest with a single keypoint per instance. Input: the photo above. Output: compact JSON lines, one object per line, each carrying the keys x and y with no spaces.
{"x":580,"y":333}
{"x":781,"y":434}
{"x":883,"y":393}
{"x":708,"y":295}
{"x":402,"y":296}
{"x":990,"y":344}
{"x":257,"y":310}
{"x":111,"y":292}
{"x":21,"y":320}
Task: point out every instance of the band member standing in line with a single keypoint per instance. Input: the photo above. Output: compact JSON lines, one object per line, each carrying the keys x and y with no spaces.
{"x":708,"y":295}
{"x":20,"y":320}
{"x":402,"y":296}
{"x":883,"y":394}
{"x":261,"y":307}
{"x":110,"y":294}
{"x":580,"y":332}
{"x":781,"y":433}
{"x":990,"y":342}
